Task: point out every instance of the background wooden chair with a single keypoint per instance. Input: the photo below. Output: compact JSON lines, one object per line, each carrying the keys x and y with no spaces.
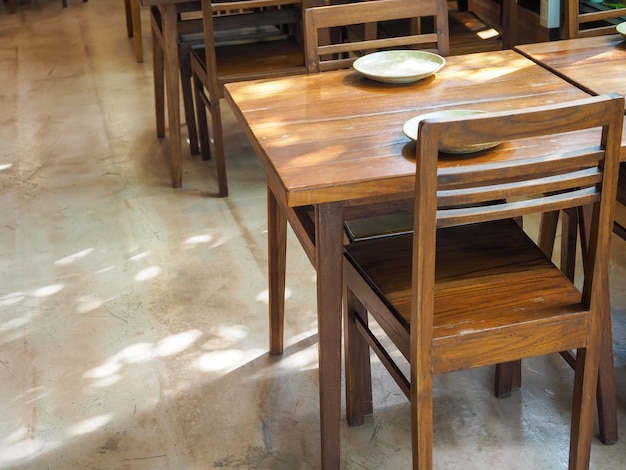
{"x":435,"y":294}
{"x":330,"y":52}
{"x":243,"y":40}
{"x":581,"y":20}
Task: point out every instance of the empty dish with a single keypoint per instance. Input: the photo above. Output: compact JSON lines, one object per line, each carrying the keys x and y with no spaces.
{"x":399,"y":66}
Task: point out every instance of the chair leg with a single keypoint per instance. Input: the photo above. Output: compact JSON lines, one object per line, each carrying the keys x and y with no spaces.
{"x":185,"y":79}
{"x":569,"y":225}
{"x":547,"y":232}
{"x":508,"y":378}
{"x":218,"y":146}
{"x":135,"y":13}
{"x":129,"y":18}
{"x":421,"y":397}
{"x":201,"y":120}
{"x":357,"y":363}
{"x":585,"y":381}
{"x":159,"y":85}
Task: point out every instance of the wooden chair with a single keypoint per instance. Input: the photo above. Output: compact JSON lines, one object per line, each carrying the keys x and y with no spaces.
{"x":332,"y":52}
{"x":435,"y":294}
{"x":599,"y":21}
{"x":243,"y":40}
{"x":190,"y":33}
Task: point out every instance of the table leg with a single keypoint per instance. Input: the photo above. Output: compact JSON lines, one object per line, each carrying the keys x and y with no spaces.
{"x":329,"y":256}
{"x":276,"y":261}
{"x":158,"y":73}
{"x":170,"y":52}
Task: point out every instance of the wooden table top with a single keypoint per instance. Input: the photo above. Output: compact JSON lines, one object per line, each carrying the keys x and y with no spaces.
{"x":596,"y":64}
{"x":337,"y":136}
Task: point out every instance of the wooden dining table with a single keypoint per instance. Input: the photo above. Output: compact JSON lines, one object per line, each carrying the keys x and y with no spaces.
{"x":333,"y":148}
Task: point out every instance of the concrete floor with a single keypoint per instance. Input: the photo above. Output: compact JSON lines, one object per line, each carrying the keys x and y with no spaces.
{"x":133,"y":323}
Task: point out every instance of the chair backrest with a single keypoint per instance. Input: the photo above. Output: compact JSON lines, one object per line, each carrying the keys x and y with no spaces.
{"x":245,"y":18}
{"x":243,"y":22}
{"x":591,"y":22}
{"x":501,"y":189}
{"x":325,"y":54}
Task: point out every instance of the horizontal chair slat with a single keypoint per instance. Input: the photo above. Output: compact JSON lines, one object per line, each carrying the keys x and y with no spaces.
{"x":564,"y":182}
{"x":450,"y":178}
{"x":555,"y":202}
{"x":377,"y":44}
{"x":601,"y":15}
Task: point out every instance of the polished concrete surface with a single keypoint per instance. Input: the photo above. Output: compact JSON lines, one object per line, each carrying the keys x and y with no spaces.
{"x":133,"y":317}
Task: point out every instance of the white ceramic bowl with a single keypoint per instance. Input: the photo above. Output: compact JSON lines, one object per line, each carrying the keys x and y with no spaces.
{"x":399,"y":66}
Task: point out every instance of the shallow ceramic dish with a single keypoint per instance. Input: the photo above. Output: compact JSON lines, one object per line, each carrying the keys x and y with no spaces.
{"x":411,"y":126}
{"x":621,"y":28}
{"x":399,"y":66}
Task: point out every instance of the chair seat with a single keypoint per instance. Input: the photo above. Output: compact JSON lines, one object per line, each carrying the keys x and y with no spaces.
{"x":240,"y":60}
{"x":471,"y":267}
